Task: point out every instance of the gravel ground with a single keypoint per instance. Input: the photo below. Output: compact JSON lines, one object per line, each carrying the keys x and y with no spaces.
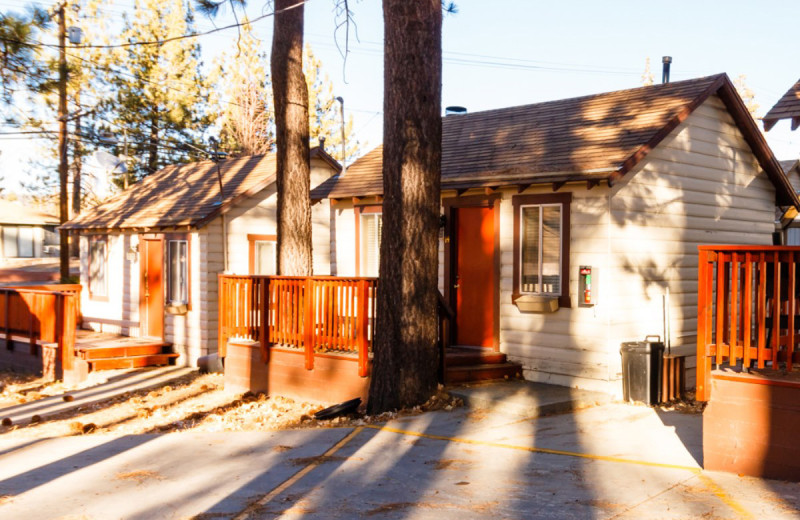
{"x":196,"y":402}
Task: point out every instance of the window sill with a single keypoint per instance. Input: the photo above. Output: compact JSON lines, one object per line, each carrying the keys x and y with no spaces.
{"x":536,"y":303}
{"x":177,"y":309}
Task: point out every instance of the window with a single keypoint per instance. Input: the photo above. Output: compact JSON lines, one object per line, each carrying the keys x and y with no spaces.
{"x":263,"y":254}
{"x":18,"y":241}
{"x":178,"y":272}
{"x":541,"y":246}
{"x":98,"y":267}
{"x":371,"y":227}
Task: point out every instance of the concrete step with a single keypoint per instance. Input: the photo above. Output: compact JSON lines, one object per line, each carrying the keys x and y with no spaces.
{"x":482,"y":372}
{"x":131,"y":361}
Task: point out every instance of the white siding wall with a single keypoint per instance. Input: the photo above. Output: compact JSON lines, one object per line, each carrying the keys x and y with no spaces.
{"x":702,"y":185}
{"x":194,"y":334}
{"x":119,"y":314}
{"x":570,"y":346}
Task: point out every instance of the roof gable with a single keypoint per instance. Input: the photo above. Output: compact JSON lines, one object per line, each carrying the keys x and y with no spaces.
{"x":592,"y":138}
{"x":787,"y":107}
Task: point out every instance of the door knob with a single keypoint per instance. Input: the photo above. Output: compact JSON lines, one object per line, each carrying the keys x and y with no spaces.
{"x":456,"y":286}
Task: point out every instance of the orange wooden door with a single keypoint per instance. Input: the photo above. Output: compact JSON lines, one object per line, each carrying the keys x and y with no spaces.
{"x":153,"y":288}
{"x":474,"y":280}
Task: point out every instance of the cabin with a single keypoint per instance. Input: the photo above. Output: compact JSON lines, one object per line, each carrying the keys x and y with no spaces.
{"x":150,"y":257}
{"x":26,"y":232}
{"x":572,"y":226}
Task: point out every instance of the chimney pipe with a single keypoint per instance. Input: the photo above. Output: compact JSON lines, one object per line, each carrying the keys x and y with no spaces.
{"x":666,"y":60}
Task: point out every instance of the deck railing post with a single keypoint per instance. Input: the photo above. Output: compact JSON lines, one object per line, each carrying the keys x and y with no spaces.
{"x":263,"y":331}
{"x":362,"y":323}
{"x":308,"y":323}
{"x":703,"y":327}
{"x":221,"y":314}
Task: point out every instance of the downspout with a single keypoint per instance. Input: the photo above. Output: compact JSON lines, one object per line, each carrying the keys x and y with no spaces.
{"x":222,"y":214}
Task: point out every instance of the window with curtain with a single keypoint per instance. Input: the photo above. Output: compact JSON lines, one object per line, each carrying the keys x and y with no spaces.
{"x":541,"y":246}
{"x":178,"y":272}
{"x":370,"y":243}
{"x":98,"y":266}
{"x":541,"y":249}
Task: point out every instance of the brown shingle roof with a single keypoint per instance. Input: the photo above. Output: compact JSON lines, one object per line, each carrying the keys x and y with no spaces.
{"x":592,"y":138}
{"x":787,"y":107}
{"x":185,"y":195}
{"x":14,"y":213}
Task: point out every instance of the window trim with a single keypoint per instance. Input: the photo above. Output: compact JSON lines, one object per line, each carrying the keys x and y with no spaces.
{"x":177,"y":237}
{"x":92,"y":295}
{"x":518,"y":202}
{"x":251,"y":245}
{"x":359,"y":211}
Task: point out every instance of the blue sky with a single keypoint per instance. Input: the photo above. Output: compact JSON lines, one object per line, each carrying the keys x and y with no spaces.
{"x":511,"y":52}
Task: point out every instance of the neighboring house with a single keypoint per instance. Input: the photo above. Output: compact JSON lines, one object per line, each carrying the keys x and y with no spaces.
{"x":787,"y":225}
{"x":566,"y":222}
{"x":26,"y":233}
{"x":150,"y":256}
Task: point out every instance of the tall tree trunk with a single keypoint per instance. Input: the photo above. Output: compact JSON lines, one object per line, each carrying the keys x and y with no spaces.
{"x":152,"y":159}
{"x":406,"y":357}
{"x":290,"y":95}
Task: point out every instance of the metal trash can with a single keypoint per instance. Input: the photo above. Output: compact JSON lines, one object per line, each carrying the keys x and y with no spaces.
{"x":641,"y":370}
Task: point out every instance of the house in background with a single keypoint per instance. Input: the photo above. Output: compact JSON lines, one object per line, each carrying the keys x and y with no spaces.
{"x":150,"y":256}
{"x":566,"y":222}
{"x":26,"y":232}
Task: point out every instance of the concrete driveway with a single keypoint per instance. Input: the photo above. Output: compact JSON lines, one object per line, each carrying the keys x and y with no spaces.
{"x":610,"y":461}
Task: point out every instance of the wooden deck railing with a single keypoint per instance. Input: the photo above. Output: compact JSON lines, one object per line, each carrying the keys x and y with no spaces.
{"x":319,"y":314}
{"x":48,"y":316}
{"x":748,"y":311}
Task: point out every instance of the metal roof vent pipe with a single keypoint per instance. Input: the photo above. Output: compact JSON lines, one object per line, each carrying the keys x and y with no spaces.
{"x":455,"y":111}
{"x":666,"y":60}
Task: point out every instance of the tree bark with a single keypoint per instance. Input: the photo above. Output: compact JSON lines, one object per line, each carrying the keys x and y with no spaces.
{"x":290,"y":95}
{"x":152,"y":159}
{"x":406,"y":357}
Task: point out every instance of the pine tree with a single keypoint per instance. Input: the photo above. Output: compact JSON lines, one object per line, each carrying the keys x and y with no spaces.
{"x":241,"y":97}
{"x":647,"y":75}
{"x":20,"y":62}
{"x":747,"y":94}
{"x":160,"y":97}
{"x":406,"y":358}
{"x":324,"y":118}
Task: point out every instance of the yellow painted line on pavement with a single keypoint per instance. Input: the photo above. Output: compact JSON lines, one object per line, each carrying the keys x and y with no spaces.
{"x":715,"y":489}
{"x":533,"y":449}
{"x":252,"y":508}
{"x":725,"y":498}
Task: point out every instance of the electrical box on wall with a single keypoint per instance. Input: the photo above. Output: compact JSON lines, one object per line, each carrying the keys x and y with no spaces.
{"x":587,"y":286}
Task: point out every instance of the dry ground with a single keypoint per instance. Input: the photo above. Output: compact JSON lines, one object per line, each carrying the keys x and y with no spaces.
{"x":194,"y":402}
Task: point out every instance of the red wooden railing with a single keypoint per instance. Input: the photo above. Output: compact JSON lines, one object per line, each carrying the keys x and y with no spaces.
{"x":748,"y":312}
{"x":48,"y":316}
{"x":319,"y":314}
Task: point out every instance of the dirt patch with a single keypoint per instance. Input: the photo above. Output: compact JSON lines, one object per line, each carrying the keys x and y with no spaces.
{"x":456,"y":464}
{"x":320,"y":459}
{"x":685,"y":405}
{"x":139,"y":476}
{"x":196,"y":402}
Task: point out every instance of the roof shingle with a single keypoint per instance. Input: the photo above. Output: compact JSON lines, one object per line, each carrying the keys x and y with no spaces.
{"x":184,"y":195}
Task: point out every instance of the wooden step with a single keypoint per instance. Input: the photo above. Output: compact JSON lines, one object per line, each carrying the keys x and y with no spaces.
{"x":131,"y":361}
{"x":484,"y":372}
{"x":462,"y":357}
{"x":121,"y":351}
